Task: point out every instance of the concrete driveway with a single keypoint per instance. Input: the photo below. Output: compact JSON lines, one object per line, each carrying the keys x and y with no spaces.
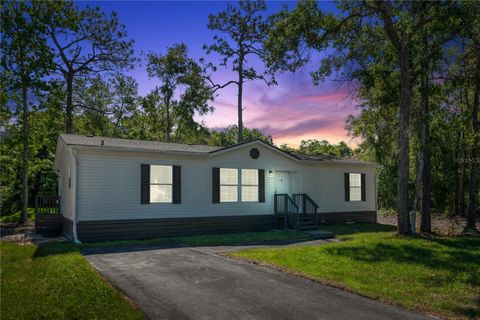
{"x":197,"y":283}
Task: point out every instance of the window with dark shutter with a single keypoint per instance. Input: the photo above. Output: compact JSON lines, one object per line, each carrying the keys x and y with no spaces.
{"x":161,"y":184}
{"x":177,"y":185}
{"x":364,"y":195}
{"x":145,"y":184}
{"x":261,"y":185}
{"x":216,"y":185}
{"x":347,"y":186}
{"x":354,"y":186}
{"x":250,"y":184}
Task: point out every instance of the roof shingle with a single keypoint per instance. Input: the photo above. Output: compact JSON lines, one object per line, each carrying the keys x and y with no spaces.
{"x":141,"y":145}
{"x":92,"y":141}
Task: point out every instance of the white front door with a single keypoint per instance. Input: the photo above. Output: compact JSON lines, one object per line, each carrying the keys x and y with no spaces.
{"x":282,"y":182}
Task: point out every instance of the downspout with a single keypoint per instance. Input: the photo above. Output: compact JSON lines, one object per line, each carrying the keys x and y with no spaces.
{"x":73,"y":153}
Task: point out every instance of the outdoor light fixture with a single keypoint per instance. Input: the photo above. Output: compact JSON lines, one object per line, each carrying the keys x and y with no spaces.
{"x":270,"y":174}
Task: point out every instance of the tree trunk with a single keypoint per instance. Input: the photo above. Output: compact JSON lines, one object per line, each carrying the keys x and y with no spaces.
{"x":461,"y":184}
{"x":460,"y":178}
{"x":426,"y":221}
{"x":69,"y":106}
{"x":167,"y":114}
{"x":418,"y":184}
{"x":24,"y":209}
{"x":403,"y":143}
{"x":472,"y":192}
{"x":240,"y":100}
{"x":456,"y":177}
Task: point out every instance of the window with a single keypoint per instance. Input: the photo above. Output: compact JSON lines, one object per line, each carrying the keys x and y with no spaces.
{"x":228,"y":185}
{"x":249,"y":185}
{"x":355,"y":182}
{"x":161,"y":184}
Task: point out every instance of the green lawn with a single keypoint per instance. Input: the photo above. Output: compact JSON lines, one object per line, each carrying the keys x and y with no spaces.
{"x":56,"y":283}
{"x":435,"y":275}
{"x":208,"y":240}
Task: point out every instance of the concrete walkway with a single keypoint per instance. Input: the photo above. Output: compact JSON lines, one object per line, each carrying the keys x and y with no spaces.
{"x":197,"y":283}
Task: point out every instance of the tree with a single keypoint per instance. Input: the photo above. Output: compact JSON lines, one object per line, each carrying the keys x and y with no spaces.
{"x":243,"y":31}
{"x":314,"y":146}
{"x":183,"y":90}
{"x":86,"y":42}
{"x":94,"y":97}
{"x":364,"y":33}
{"x":430,"y":43}
{"x":228,"y":136}
{"x":125,"y":98}
{"x":25,"y":59}
{"x":473,"y":56}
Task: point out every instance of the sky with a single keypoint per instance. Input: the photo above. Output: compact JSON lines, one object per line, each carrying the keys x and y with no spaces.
{"x":291,"y":111}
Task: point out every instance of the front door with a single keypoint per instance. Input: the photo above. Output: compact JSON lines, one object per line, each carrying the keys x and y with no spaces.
{"x":282,"y":182}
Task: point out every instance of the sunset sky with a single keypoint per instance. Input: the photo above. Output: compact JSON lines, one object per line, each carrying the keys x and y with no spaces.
{"x":291,"y":111}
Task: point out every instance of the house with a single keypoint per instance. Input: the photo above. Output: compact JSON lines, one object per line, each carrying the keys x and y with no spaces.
{"x":113,"y":188}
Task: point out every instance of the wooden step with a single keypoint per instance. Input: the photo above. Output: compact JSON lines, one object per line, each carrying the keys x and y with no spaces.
{"x":307,"y":227}
{"x":305,"y":224}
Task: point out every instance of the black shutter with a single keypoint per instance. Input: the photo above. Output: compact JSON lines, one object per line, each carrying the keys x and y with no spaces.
{"x":347,"y":186}
{"x":177,"y":185}
{"x":215,"y":185}
{"x":364,"y":196}
{"x":261,"y":185}
{"x":145,"y":184}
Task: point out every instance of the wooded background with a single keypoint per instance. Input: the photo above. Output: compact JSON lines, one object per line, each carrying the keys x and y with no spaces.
{"x":414,"y":68}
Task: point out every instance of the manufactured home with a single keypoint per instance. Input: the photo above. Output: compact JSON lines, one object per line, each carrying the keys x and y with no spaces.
{"x":113,"y":188}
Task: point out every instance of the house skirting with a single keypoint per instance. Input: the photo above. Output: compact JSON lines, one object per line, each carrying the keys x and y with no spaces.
{"x":103,"y":230}
{"x":89,"y":231}
{"x":348,"y":216}
{"x":48,"y":224}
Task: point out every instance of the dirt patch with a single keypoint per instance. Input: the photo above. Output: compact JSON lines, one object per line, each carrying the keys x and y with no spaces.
{"x":441,"y":224}
{"x":25,"y":235}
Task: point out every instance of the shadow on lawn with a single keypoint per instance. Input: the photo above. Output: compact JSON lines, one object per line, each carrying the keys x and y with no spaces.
{"x":458,"y":257}
{"x":461,"y":257}
{"x":349,"y":229}
{"x":119,"y":247}
{"x":55,"y":248}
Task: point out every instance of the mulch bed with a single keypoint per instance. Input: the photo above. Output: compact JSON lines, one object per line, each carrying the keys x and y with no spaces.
{"x":441,"y":224}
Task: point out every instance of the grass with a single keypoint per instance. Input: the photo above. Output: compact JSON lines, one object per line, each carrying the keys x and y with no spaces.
{"x":14,"y":217}
{"x":207,"y":240}
{"x":56,"y":282}
{"x":433,"y":275}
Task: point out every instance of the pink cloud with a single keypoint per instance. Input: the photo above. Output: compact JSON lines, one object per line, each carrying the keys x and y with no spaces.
{"x":290,"y":112}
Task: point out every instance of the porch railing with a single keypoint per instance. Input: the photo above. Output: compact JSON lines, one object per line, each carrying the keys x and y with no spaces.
{"x":48,"y":220}
{"x":285,"y":206}
{"x":306,"y":204}
{"x":47,"y":204}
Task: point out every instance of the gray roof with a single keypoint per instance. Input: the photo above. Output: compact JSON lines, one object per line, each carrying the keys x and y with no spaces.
{"x":92,"y":141}
{"x":141,"y":145}
{"x":325,"y":157}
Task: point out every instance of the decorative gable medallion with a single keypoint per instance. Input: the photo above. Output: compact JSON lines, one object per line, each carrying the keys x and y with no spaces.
{"x":254,"y":153}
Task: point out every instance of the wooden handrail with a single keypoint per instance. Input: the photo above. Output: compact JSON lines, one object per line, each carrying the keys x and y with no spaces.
{"x":47,"y":204}
{"x":295,"y":209}
{"x":284,"y":204}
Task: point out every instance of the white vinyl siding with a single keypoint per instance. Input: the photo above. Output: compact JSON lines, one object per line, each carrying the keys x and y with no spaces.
{"x":161,"y":184}
{"x":249,"y":185}
{"x":65,"y":184}
{"x":109,"y":184}
{"x":228,"y":185}
{"x":355,"y":180}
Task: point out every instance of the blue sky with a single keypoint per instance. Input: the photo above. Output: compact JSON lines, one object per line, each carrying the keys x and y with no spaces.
{"x":292,"y":111}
